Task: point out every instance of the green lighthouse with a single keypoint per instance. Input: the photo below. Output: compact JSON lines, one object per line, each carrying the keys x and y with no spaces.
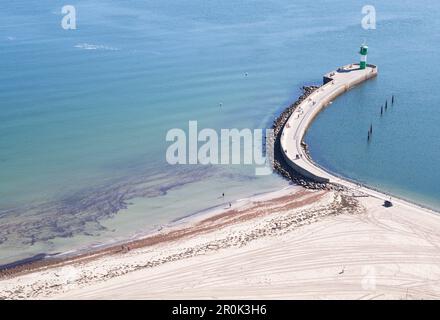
{"x":363,"y":52}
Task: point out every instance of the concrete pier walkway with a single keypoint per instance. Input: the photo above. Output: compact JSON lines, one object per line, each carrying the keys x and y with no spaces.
{"x":335,"y":84}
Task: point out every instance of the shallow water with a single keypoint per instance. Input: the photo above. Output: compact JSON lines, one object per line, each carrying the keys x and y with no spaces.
{"x":84,"y":113}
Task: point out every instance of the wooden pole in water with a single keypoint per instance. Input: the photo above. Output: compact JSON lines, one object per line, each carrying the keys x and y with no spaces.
{"x":386,"y":104}
{"x":392,"y":99}
{"x":381,"y":110}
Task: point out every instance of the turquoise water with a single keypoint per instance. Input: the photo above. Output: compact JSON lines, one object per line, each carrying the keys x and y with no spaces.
{"x":84,"y":113}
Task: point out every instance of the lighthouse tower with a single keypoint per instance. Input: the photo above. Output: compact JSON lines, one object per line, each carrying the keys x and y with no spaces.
{"x":363,"y":52}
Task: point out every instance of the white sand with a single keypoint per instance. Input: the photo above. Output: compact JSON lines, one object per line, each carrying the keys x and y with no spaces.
{"x":370,"y":252}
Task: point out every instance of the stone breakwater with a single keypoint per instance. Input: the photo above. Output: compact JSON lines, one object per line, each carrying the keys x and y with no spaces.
{"x":290,"y":132}
{"x":280,"y":165}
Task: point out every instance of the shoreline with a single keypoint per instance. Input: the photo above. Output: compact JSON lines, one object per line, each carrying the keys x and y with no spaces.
{"x":43,"y":260}
{"x":280,"y":211}
{"x":305,"y":244}
{"x":46,"y":260}
{"x":260,"y":208}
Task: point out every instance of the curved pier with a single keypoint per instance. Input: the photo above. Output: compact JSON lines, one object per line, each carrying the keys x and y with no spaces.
{"x":335,"y":84}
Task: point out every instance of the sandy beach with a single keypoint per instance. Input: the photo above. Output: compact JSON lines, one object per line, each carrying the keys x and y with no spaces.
{"x":303,"y":244}
{"x":219,"y":150}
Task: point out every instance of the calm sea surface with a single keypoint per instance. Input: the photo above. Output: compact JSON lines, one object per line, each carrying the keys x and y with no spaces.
{"x":84,"y":113}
